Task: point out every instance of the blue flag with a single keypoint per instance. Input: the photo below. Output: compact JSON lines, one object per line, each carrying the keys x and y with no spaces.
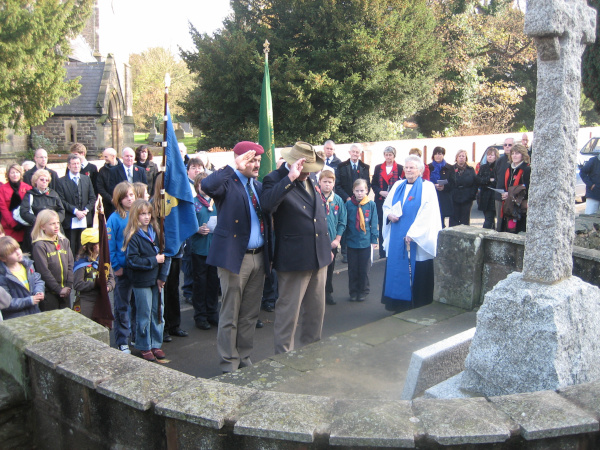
{"x":180,"y":215}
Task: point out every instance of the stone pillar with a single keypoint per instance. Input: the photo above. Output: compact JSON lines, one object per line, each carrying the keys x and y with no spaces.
{"x":561,"y":30}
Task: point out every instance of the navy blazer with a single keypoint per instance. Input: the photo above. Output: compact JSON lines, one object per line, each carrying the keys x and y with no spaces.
{"x":301,"y":234}
{"x":232,"y":233}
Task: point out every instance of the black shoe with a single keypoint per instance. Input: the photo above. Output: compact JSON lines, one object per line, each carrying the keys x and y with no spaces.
{"x":167,"y":337}
{"x":329,"y":300}
{"x":178,"y":332}
{"x":214,"y":322}
{"x":344,"y":259}
{"x":268,"y":307}
{"x":259,"y":324}
{"x":203,"y":325}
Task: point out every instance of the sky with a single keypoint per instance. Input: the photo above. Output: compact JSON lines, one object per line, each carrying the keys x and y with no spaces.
{"x":132,"y":26}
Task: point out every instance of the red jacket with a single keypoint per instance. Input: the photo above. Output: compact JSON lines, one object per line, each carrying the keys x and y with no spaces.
{"x":7,"y":220}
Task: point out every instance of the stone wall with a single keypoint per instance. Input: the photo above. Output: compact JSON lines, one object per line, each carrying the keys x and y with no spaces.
{"x":84,"y":394}
{"x":471,"y":261}
{"x":84,"y":128}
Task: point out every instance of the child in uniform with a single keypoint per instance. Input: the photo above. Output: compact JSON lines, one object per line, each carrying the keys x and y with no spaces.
{"x":53,"y":260}
{"x":336,"y":223}
{"x":362,"y":234}
{"x":86,"y":274}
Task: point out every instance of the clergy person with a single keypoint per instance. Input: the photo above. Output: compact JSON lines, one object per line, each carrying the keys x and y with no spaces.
{"x":411,"y":226}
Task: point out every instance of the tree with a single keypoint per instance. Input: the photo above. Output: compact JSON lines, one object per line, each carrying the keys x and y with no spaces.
{"x":34,"y":46}
{"x":340,"y":70}
{"x":148,"y":71}
{"x":590,"y":64}
{"x":478,"y":91}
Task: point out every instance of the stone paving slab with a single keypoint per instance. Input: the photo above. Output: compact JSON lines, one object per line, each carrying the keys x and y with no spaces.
{"x":463,"y":421}
{"x":383,"y":330}
{"x":430,"y":314}
{"x":214,"y":404}
{"x":374,"y":424}
{"x":291,"y":417}
{"x":267,"y":374}
{"x":545,"y":414}
{"x":147,"y":388}
{"x":322,"y":353}
{"x":586,"y":397}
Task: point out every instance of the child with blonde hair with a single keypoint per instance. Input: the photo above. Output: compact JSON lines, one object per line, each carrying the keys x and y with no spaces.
{"x":148,"y":276}
{"x":21,"y":287}
{"x":53,"y":260}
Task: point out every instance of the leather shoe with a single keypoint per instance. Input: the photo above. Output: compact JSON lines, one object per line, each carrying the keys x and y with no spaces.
{"x":167,"y":337}
{"x":344,"y":259}
{"x":203,"y":325}
{"x":268,"y":307}
{"x":329,"y":300}
{"x":214,"y":322}
{"x":259,"y":324}
{"x":178,"y":332}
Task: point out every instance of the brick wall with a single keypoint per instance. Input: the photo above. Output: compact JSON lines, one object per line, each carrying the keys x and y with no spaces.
{"x":85,"y":130}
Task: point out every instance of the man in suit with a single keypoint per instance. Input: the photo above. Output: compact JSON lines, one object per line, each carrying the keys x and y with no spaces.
{"x":127,"y":171}
{"x":77,"y":195}
{"x":346,"y":174}
{"x":41,"y":161}
{"x":103,"y":181}
{"x":302,"y":245}
{"x":240,"y":251}
{"x":330,"y":159}
{"x":87,"y":168}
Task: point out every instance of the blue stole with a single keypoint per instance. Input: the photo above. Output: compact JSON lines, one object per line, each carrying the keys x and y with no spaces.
{"x":398,"y":279}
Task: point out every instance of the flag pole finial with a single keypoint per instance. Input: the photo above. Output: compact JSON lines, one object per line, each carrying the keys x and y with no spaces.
{"x":266,"y":48}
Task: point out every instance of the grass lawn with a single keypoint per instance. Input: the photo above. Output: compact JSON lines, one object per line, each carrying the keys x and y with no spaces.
{"x":189,"y":140}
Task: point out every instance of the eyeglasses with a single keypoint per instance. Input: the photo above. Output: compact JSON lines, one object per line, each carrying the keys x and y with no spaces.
{"x":508,"y":145}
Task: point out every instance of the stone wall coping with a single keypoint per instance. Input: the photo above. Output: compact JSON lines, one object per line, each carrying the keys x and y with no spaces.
{"x":308,"y":419}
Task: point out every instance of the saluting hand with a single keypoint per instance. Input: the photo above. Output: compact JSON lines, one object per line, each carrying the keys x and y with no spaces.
{"x":242,"y":160}
{"x":296,"y":169}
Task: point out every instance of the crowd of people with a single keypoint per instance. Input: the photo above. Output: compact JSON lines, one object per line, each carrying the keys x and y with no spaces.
{"x":272,"y":243}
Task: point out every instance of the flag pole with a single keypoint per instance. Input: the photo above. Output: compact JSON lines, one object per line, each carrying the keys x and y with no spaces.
{"x":266,"y":135}
{"x":164,"y":162}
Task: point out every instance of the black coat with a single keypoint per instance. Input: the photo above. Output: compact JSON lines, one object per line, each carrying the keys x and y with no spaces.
{"x":79,"y":197}
{"x":344,"y":180}
{"x":334,"y":163}
{"x":91,"y":171}
{"x":486,"y":178}
{"x":465,"y":187}
{"x":301,"y":238}
{"x":376,"y":181}
{"x":445,"y":196}
{"x":141,"y":260}
{"x":104,"y":188}
{"x":34,"y":201}
{"x":27,"y":176}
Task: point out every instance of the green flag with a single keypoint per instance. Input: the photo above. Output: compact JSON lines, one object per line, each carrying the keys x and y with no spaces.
{"x":266,"y":135}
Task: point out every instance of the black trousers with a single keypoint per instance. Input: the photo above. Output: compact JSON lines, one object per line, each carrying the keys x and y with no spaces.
{"x":359,"y":265}
{"x":489,"y":219}
{"x":205,"y":290}
{"x":462,"y":214}
{"x":330,"y":269}
{"x":380,"y":221}
{"x":172,"y":312}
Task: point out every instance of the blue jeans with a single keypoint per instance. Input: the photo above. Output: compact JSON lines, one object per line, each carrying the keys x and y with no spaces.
{"x":591,"y":205}
{"x":149,"y":323}
{"x":122,"y":295}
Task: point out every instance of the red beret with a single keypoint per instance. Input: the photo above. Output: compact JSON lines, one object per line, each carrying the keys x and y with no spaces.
{"x":245,"y":146}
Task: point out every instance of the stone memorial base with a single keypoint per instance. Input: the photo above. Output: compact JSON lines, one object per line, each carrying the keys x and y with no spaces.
{"x":533,"y":337}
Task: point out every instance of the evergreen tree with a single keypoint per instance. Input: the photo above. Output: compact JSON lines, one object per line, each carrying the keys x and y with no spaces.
{"x":34,"y":46}
{"x":340,"y":70}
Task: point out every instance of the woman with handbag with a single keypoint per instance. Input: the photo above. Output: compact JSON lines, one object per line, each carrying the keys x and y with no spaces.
{"x":11,"y":196}
{"x":514,"y":200}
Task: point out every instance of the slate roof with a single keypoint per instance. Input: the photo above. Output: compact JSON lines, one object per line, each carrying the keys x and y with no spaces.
{"x":86,"y":103}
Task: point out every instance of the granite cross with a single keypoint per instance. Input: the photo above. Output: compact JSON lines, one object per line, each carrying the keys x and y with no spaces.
{"x":561,"y":29}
